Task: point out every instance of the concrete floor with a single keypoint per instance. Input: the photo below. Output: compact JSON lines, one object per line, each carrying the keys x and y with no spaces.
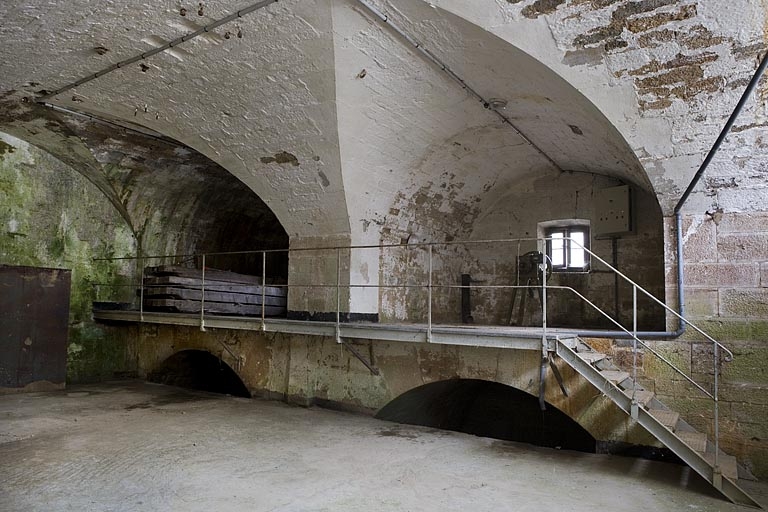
{"x":133,"y":446}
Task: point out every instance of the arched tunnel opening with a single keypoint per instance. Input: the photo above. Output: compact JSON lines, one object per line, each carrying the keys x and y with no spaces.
{"x":488,"y":409}
{"x":199,"y":370}
{"x":174,"y":199}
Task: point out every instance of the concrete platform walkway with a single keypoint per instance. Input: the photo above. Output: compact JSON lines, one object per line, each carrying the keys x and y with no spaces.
{"x":131,"y":446}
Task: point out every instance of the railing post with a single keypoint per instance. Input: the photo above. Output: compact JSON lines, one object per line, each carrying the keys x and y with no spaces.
{"x":263,"y":288}
{"x":717,"y":474}
{"x":635,"y":412}
{"x":141,"y":291}
{"x":202,"y":298}
{"x":543,"y":268}
{"x":429,"y":295}
{"x":544,"y":341}
{"x":338,"y":295}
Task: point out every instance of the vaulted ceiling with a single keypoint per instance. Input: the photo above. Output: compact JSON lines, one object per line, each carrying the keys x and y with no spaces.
{"x":333,"y":119}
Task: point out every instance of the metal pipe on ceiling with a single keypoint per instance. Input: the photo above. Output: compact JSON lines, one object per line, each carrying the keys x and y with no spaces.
{"x":678,"y":216}
{"x":167,"y":46}
{"x":724,"y":133}
{"x":455,"y":77}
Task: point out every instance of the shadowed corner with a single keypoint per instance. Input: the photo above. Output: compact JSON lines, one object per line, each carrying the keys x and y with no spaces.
{"x":199,"y":370}
{"x":488,"y":409}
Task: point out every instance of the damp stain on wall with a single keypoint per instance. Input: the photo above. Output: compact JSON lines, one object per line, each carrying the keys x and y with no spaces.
{"x":282,"y":158}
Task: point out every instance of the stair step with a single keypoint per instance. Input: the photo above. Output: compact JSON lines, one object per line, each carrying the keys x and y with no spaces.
{"x":591,"y":357}
{"x":728,"y":465}
{"x":666,"y":418}
{"x":662,"y":416}
{"x":642,"y":396}
{"x":615,"y":376}
{"x":696,"y":440}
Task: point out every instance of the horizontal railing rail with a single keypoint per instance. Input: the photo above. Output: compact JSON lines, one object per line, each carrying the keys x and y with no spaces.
{"x":632,"y":336}
{"x":655,"y":299}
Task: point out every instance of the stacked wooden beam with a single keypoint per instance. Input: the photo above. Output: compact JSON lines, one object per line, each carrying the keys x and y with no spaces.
{"x":179,"y":289}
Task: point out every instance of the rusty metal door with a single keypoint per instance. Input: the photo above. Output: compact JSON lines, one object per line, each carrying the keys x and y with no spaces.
{"x":34,"y":319}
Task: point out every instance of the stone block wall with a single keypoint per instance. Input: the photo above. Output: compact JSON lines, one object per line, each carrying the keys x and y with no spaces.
{"x":726,"y":295}
{"x":314,"y":268}
{"x":310,"y":370}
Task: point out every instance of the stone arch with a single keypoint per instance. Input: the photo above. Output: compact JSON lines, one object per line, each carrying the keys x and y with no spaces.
{"x":458,"y":168}
{"x":405,"y":368}
{"x":173,"y":199}
{"x":450,"y":149}
{"x":471,"y":159}
{"x":487,"y":409}
{"x":199,"y":370}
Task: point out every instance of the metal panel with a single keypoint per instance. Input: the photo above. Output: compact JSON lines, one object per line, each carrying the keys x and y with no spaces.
{"x":613,"y":206}
{"x":34,"y":318}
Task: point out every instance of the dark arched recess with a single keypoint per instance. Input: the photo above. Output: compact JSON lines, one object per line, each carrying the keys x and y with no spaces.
{"x":174,"y":199}
{"x":200,"y":370}
{"x":487,"y":409}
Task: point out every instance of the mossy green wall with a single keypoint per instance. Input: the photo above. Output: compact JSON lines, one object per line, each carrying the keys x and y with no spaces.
{"x":51,"y":216}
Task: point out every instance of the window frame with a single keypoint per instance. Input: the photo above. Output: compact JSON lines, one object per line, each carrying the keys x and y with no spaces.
{"x":567,"y":232}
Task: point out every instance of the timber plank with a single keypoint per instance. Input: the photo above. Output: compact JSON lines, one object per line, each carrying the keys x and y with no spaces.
{"x":219,"y":286}
{"x":213,"y":274}
{"x":213,"y":296}
{"x":191,"y":306}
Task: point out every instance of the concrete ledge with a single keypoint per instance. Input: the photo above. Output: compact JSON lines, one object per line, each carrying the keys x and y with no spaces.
{"x":521,"y":338}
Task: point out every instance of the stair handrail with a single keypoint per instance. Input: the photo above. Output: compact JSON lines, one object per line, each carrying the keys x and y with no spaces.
{"x":715,"y":344}
{"x":632,"y":336}
{"x":729,"y":354}
{"x":712,"y":395}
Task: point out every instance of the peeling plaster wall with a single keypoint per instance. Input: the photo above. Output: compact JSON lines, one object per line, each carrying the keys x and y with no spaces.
{"x":51,"y":216}
{"x":393,"y":109}
{"x":516,"y":216}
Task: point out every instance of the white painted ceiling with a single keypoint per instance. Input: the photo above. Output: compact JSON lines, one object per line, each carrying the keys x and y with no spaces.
{"x":364,"y":142}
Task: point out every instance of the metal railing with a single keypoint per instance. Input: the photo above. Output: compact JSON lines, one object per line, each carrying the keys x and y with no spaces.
{"x":543,"y":287}
{"x":716,"y":348}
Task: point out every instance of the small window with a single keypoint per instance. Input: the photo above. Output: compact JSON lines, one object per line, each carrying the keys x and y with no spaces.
{"x":565,"y":248}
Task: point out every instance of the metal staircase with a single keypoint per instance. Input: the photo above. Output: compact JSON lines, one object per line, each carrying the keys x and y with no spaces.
{"x":703,"y":455}
{"x":693,"y":447}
